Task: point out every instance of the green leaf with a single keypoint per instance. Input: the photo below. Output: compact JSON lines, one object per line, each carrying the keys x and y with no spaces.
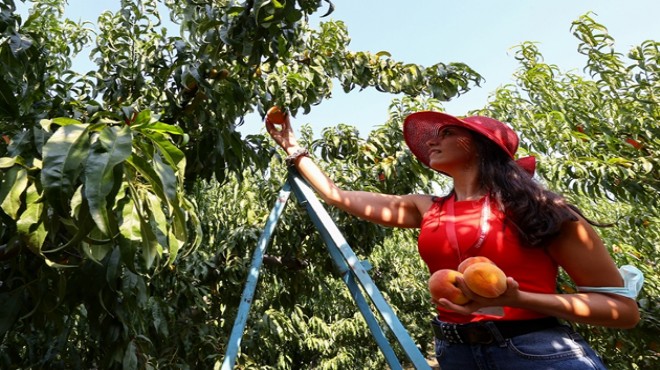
{"x":618,"y":160}
{"x":130,"y":360}
{"x":150,"y":246}
{"x":170,"y":152}
{"x":40,"y":138}
{"x":29,"y":225}
{"x":12,"y":186}
{"x":93,"y":249}
{"x":130,"y":221}
{"x":178,"y":233}
{"x":20,"y":143}
{"x":6,"y":162}
{"x":64,"y":121}
{"x":146,"y":170}
{"x":160,"y":222}
{"x":168,"y":179}
{"x":191,"y":212}
{"x":63,"y":155}
{"x":162,"y":128}
{"x":113,"y":268}
{"x":114,"y":146}
{"x":151,"y":239}
{"x":80,"y":225}
{"x":129,"y":229}
{"x":142,"y":119}
{"x":647,"y":165}
{"x":8,"y":102}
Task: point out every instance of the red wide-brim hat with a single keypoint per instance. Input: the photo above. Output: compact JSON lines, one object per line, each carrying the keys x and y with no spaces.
{"x":420,"y":127}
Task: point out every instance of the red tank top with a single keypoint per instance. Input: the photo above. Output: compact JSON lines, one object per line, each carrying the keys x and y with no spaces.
{"x":531,"y":267}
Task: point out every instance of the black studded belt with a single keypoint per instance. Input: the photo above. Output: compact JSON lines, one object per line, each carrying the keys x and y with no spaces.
{"x":487,"y":332}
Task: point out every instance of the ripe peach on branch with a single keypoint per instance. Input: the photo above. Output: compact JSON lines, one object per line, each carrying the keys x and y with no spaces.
{"x":276,"y":115}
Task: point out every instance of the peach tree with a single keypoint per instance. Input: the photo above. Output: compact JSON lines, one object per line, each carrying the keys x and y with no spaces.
{"x":596,"y":135}
{"x":101,"y":258}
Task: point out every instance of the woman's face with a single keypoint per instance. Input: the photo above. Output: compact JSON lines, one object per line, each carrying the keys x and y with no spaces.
{"x":453,"y":149}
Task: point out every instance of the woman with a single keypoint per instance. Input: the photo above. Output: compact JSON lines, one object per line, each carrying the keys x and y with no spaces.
{"x":498,"y":211}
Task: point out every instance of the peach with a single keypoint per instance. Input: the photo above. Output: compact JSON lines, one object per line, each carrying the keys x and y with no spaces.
{"x":472,"y":260}
{"x":276,"y":115}
{"x":442,"y":284}
{"x":485,"y":279}
{"x":636,"y":144}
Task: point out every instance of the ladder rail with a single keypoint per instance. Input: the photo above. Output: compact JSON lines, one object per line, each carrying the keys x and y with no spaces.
{"x":234,"y":342}
{"x":353,"y":272}
{"x":340,"y":250}
{"x":376,"y":330}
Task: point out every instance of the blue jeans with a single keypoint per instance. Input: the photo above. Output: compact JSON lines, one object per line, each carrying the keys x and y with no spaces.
{"x":559,"y":348}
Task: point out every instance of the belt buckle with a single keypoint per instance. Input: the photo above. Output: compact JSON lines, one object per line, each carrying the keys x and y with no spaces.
{"x":479,"y":334}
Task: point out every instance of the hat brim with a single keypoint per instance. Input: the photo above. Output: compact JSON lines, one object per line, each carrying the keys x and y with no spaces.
{"x":420,"y":127}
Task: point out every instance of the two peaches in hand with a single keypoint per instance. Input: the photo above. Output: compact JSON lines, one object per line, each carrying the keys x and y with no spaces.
{"x":481,"y":275}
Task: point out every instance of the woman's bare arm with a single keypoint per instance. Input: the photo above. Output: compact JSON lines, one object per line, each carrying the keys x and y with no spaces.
{"x":389,"y":210}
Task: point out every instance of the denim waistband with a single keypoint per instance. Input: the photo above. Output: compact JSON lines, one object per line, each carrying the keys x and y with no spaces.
{"x":487,"y":332}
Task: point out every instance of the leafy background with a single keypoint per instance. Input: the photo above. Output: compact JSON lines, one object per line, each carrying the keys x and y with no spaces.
{"x":130,"y":204}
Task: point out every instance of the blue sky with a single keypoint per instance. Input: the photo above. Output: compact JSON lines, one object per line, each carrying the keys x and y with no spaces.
{"x":479,"y":33}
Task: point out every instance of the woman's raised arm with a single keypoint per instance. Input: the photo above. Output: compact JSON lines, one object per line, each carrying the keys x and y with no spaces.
{"x":384,"y":209}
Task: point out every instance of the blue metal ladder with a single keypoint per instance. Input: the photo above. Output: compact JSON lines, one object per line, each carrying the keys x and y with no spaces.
{"x":353,"y":272}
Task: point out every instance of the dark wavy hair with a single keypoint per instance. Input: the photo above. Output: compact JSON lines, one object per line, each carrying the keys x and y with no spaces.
{"x":534,"y":211}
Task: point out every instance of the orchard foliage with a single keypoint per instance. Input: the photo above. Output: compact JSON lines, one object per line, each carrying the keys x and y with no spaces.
{"x":596,"y":134}
{"x":130,"y":204}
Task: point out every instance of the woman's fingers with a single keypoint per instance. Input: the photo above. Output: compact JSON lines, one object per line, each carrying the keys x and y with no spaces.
{"x":270,"y":126}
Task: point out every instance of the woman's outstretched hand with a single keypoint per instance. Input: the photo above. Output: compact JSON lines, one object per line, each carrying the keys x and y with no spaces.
{"x":279,"y":128}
